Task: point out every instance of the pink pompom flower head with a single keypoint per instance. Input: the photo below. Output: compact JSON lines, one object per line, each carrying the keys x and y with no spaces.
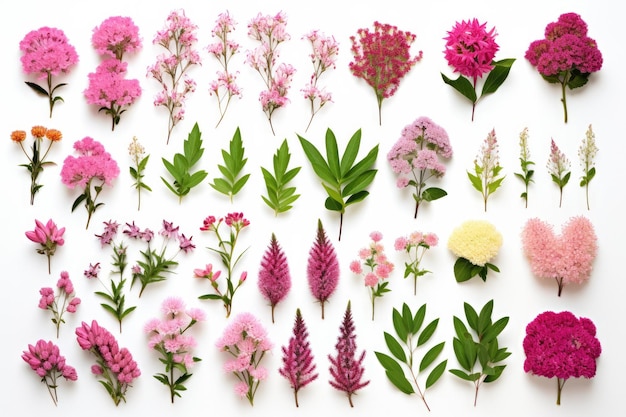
{"x":64,"y":300}
{"x":48,"y":236}
{"x":566,"y":55}
{"x":382,"y":58}
{"x":116,"y":36}
{"x":470,"y":50}
{"x":46,"y":360}
{"x":562,"y":346}
{"x":567,"y":258}
{"x":46,"y":53}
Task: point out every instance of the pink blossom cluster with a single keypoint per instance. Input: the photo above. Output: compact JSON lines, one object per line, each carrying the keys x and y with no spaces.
{"x":566,"y":47}
{"x":322,"y":267}
{"x":274,"y":277}
{"x":64,"y":300}
{"x":46,"y":52}
{"x":415,"y":246}
{"x":246,"y":340}
{"x":110,"y":90}
{"x":171,"y":68}
{"x":114,"y":365}
{"x":470,"y":48}
{"x":46,"y":360}
{"x":49,"y":236}
{"x":224,"y":87}
{"x":93,"y":163}
{"x":567,"y":258}
{"x":323,"y":57}
{"x":116,"y":36}
{"x":270,"y":31}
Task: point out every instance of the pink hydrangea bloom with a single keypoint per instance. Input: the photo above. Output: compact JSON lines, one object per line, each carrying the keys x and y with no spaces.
{"x":116,"y":36}
{"x":470,"y":48}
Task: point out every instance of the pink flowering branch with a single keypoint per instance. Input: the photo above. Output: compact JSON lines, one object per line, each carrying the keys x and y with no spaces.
{"x":64,"y":301}
{"x":415,"y":246}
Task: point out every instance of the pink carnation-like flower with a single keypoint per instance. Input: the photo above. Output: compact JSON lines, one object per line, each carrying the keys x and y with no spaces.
{"x":470,"y":48}
{"x":116,"y":36}
{"x":47,"y":51}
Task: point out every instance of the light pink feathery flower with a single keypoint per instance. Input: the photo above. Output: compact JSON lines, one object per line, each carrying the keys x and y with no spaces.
{"x":274,"y":277}
{"x":322,"y":267}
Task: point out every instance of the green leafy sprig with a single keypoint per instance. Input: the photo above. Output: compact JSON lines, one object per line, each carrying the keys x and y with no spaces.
{"x":404,"y":349}
{"x":344,"y":181}
{"x":136,"y":170}
{"x":234,"y":162}
{"x":478,"y":353}
{"x":527,"y":172}
{"x":154,"y":265}
{"x":486,"y":178}
{"x":279,"y":196}
{"x":180,"y":167}
{"x":494,"y":80}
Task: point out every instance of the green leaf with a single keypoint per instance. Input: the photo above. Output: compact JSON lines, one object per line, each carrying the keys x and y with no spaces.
{"x":234,"y":161}
{"x":495,"y":329}
{"x":394,"y":347}
{"x":462,"y":85}
{"x":463,"y":270}
{"x":180,"y":166}
{"x":433,"y":193}
{"x":332,"y":153}
{"x":428,"y":331}
{"x":459,"y":352}
{"x":471,"y":316}
{"x":431,"y":355}
{"x":484,"y":318}
{"x":399,"y":325}
{"x":418,"y":319}
{"x":461,"y":374}
{"x":37,"y":88}
{"x":350,"y":153}
{"x":359,"y":183}
{"x":497,"y":75}
{"x":497,"y":371}
{"x":436,"y":374}
{"x":394,"y":373}
{"x":476,"y":182}
{"x":318,"y":163}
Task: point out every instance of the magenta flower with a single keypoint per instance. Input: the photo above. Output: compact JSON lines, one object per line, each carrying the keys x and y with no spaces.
{"x":346,"y":366}
{"x":116,"y":36}
{"x":114,"y":366}
{"x":274,"y":277}
{"x":415,"y":158}
{"x":561,"y":345}
{"x":470,"y":50}
{"x":246,"y":340}
{"x":567,"y":258}
{"x":93,"y":168}
{"x":64,"y":300}
{"x":566,"y":55}
{"x":298,"y":361}
{"x":49,"y":237}
{"x":46,"y":52}
{"x":382,"y":57}
{"x":46,"y":360}
{"x":322,"y":267}
{"x":109,"y":90}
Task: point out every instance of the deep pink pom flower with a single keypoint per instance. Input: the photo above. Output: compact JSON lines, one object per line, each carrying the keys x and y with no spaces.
{"x":470,"y":48}
{"x":116,"y":36}
{"x":561,"y":345}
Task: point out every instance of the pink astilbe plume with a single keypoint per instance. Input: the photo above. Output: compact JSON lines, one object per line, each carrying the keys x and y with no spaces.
{"x":346,"y":367}
{"x":567,"y":258}
{"x":561,"y":345}
{"x":322,"y":267}
{"x":298,"y":361}
{"x":274,"y":277}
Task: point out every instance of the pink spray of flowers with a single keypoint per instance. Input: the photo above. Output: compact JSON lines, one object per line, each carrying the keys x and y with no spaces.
{"x":64,"y":301}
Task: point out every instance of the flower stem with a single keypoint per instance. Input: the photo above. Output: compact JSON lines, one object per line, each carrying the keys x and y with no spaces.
{"x":559,"y":282}
{"x":50,"y":99}
{"x":563,"y":99}
{"x":559,"y":385}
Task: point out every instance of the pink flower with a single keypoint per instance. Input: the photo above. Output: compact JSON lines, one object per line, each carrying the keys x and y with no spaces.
{"x":470,"y":48}
{"x":355,"y":267}
{"x":274,"y":277}
{"x":431,"y":239}
{"x":116,"y":36}
{"x":371,"y":279}
{"x":322,"y":267}
{"x":400,"y":243}
{"x":48,"y":236}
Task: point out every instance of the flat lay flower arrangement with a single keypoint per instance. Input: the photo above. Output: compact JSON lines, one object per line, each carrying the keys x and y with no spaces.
{"x":386,"y":330}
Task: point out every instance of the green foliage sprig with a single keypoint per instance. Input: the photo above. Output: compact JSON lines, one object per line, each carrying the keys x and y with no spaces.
{"x":404,"y":349}
{"x":279,"y":197}
{"x":344,"y":181}
{"x":527,"y":173}
{"x":180,"y":167}
{"x":136,"y":170}
{"x":482,"y":351}
{"x":234,"y":162}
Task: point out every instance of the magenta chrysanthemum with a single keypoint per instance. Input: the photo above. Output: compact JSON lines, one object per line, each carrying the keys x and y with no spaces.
{"x":322,"y":267}
{"x":470,"y":48}
{"x":274,"y":277}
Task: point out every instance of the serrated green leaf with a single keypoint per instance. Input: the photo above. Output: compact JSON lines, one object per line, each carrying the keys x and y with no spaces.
{"x":462,"y":85}
{"x":476,"y":182}
{"x":395,"y":348}
{"x":436,"y":374}
{"x":494,"y":185}
{"x":431,"y":355}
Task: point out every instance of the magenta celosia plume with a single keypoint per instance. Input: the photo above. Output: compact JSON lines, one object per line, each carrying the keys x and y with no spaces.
{"x":561,"y":345}
{"x":274,"y":277}
{"x":346,"y":366}
{"x":298,"y":361}
{"x":322,"y":267}
{"x":567,"y":258}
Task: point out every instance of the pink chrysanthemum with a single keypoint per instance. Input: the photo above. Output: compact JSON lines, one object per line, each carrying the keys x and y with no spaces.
{"x":470,"y":48}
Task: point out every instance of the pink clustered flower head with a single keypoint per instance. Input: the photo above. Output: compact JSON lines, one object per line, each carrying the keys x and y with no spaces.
{"x":110,"y":90}
{"x":224,"y":87}
{"x":415,"y":246}
{"x":171,"y":69}
{"x":322,"y":267}
{"x":93,"y":167}
{"x":64,"y":300}
{"x":49,"y":236}
{"x":170,"y":338}
{"x":561,"y":345}
{"x":470,"y":48}
{"x":246,"y":340}
{"x":116,"y":36}
{"x":567,"y":258}
{"x":270,"y":31}
{"x":114,"y":365}
{"x":46,"y":52}
{"x":46,"y":360}
{"x":274,"y":276}
{"x":415,"y":157}
{"x":566,"y":55}
{"x":374,"y":267}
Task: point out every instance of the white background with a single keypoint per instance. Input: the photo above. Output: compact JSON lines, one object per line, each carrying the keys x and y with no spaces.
{"x":524,"y":100}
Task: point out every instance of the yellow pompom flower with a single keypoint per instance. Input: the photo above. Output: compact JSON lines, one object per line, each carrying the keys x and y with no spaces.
{"x":476,"y":243}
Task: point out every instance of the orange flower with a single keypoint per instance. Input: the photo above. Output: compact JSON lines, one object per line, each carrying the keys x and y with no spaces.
{"x":18,"y":136}
{"x":54,"y":135}
{"x":38,"y":131}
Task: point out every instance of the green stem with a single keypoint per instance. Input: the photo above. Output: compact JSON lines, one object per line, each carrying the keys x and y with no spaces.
{"x":563,"y":99}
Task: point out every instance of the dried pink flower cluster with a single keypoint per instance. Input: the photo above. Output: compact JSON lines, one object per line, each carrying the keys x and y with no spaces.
{"x":470,"y":48}
{"x":116,"y":36}
{"x":561,"y":345}
{"x":48,"y":236}
{"x":415,"y":158}
{"x":46,"y":360}
{"x":274,"y":277}
{"x":114,"y":365}
{"x":246,"y":340}
{"x":567,"y":258}
{"x":64,"y":300}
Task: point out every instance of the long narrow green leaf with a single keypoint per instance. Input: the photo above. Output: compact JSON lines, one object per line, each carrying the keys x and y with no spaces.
{"x":350,"y":153}
{"x":436,"y":374}
{"x":431,"y":355}
{"x":318,"y":163}
{"x":428,"y":331}
{"x":332,"y":153}
{"x":395,"y":348}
